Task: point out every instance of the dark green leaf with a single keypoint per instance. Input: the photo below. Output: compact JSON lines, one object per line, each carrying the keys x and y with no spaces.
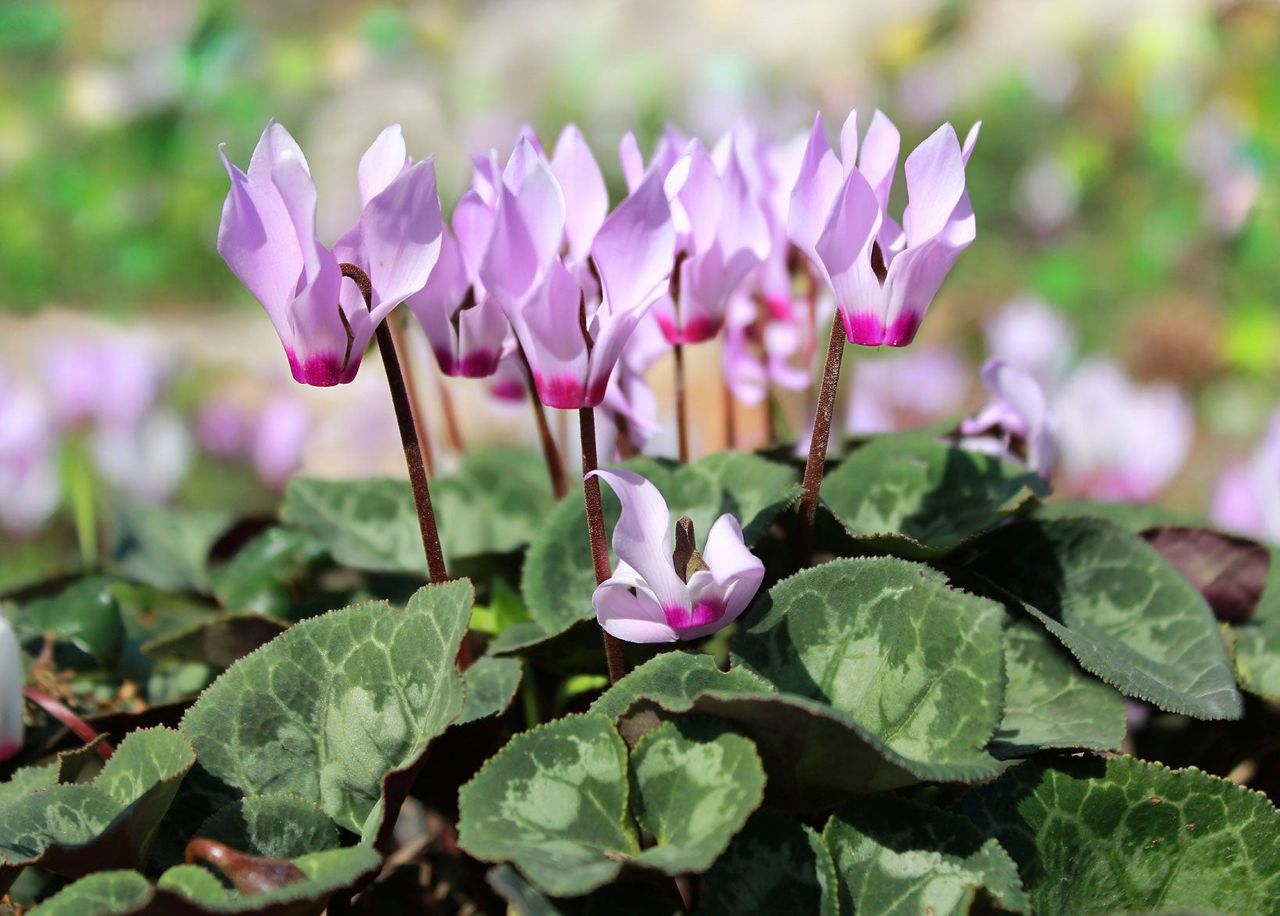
{"x":220,"y":639}
{"x":1257,"y":641}
{"x":491,"y":684}
{"x":165,"y":548}
{"x":278,"y":826}
{"x":776,"y":865}
{"x":262,"y":576}
{"x":85,"y":614}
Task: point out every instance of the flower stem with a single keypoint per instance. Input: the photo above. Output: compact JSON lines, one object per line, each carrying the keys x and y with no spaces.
{"x":595,"y":530}
{"x":682,"y":409}
{"x":408,"y":434}
{"x":730,"y":430}
{"x":813,"y":468}
{"x":73,"y":723}
{"x":550,"y":453}
{"x":451,"y":418}
{"x":410,"y":384}
{"x":79,"y":478}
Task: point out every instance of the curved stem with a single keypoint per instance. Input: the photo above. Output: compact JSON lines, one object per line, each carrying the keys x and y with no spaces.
{"x":550,"y":452}
{"x":814,"y":466}
{"x":595,"y":531}
{"x":73,"y":723}
{"x":408,"y":433}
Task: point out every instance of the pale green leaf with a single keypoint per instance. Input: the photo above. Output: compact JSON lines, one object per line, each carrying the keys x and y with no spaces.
{"x":1257,"y":640}
{"x":1050,"y":702}
{"x":337,"y":701}
{"x":897,"y":858}
{"x":1120,"y":835}
{"x":104,"y":893}
{"x":673,"y":679}
{"x":491,"y":685}
{"x":165,"y":548}
{"x":1123,"y":612}
{"x":917,"y":497}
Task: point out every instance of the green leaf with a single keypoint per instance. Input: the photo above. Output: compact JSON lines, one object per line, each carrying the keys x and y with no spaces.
{"x":1257,"y":640}
{"x":219,"y":640}
{"x":85,"y":614}
{"x":1050,"y":702}
{"x":193,"y":891}
{"x":558,"y":578}
{"x":165,"y":548}
{"x":262,"y":576}
{"x":554,"y":802}
{"x":75,"y":828}
{"x":337,"y":701}
{"x":64,"y":768}
{"x":890,"y":648}
{"x":278,"y":826}
{"x":1122,"y":611}
{"x":919,"y":498}
{"x":523,"y":899}
{"x":896,"y":857}
{"x":104,"y":893}
{"x":1136,"y":517}
{"x":775,"y":865}
{"x":1121,"y":835}
{"x":673,"y":679}
{"x":695,"y":783}
{"x":491,"y":685}
{"x":495,"y":503}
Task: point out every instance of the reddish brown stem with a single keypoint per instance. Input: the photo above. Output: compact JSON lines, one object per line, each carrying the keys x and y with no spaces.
{"x":595,"y":531}
{"x":682,"y":410}
{"x":415,"y":406}
{"x":550,"y":452}
{"x":730,"y":431}
{"x":451,"y":426}
{"x":408,"y":433}
{"x":74,"y":724}
{"x":821,"y":435}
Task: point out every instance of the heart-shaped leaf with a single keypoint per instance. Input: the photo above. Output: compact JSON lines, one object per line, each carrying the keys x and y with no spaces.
{"x":1049,"y":701}
{"x":558,"y":578}
{"x":919,"y":498}
{"x":495,"y":503}
{"x":491,"y":684}
{"x":887,"y":644}
{"x":75,"y":828}
{"x":775,"y":865}
{"x":896,"y":857}
{"x":279,"y":826}
{"x":554,"y":801}
{"x":1124,"y":613}
{"x":330,"y":706}
{"x":1122,"y":835}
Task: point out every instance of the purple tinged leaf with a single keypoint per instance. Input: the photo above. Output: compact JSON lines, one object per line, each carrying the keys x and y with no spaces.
{"x":1229,"y":571}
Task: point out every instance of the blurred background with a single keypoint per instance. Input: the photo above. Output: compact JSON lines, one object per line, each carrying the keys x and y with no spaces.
{"x":1127,"y":220}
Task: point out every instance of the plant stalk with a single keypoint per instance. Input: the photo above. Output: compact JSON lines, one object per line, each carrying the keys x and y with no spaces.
{"x":411,"y":386}
{"x":596,"y":532}
{"x":816,"y":462}
{"x":550,"y":452}
{"x":682,"y":407}
{"x":408,"y":433}
{"x":72,"y":722}
{"x":730,"y":428}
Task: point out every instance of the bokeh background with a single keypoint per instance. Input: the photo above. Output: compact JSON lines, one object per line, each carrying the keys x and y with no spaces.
{"x":1123,"y":187}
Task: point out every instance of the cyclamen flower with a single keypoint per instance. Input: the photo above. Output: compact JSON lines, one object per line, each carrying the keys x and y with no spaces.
{"x":762,"y":345}
{"x":11,"y":728}
{"x":147,"y":461}
{"x":1017,"y":424}
{"x":657,"y":595}
{"x":113,"y":380}
{"x":267,"y":237}
{"x":28,"y":469}
{"x":1118,"y":440}
{"x":1032,"y":335}
{"x":1247,"y":496}
{"x":884,"y":276}
{"x":903,"y":390}
{"x":572,"y":339}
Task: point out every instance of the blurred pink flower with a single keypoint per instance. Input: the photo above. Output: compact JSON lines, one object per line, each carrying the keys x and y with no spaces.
{"x":146,"y":461}
{"x":112,"y":380}
{"x":1017,"y":424}
{"x":267,"y":237}
{"x":1031,"y":335}
{"x":1119,"y":441}
{"x":906,"y":390}
{"x":647,"y":599}
{"x":279,"y":439}
{"x":884,"y":276}
{"x":1247,"y":496}
{"x":224,"y":425}
{"x":28,"y":469}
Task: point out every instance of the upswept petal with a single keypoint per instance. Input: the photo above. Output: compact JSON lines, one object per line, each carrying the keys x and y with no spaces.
{"x":1023,"y":393}
{"x":727,"y":555}
{"x":694,"y":191}
{"x":548,"y":327}
{"x":814,"y":193}
{"x":635,"y":247}
{"x":400,"y":233}
{"x":540,"y":200}
{"x":435,"y":304}
{"x":512,"y":267}
{"x":849,"y":141}
{"x":844,"y":249}
{"x":642,"y":536}
{"x":610,"y":333}
{"x":935,"y":184}
{"x":878,"y":160}
{"x":11,"y":679}
{"x":473,"y":222}
{"x":631,"y":160}
{"x":381,"y":163}
{"x":586,"y":199}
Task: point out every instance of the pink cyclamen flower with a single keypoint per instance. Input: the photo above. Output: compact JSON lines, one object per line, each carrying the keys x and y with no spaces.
{"x":28,"y":469}
{"x":906,"y":390}
{"x":267,"y":237}
{"x":1029,"y":333}
{"x":11,"y":728}
{"x":765,"y":345}
{"x":1118,"y":440}
{"x":571,"y":333}
{"x":146,"y":461}
{"x":1246,"y":498}
{"x":110,"y":380}
{"x":279,"y":439}
{"x":1017,"y":424}
{"x":659,"y":595}
{"x":883,"y":276}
